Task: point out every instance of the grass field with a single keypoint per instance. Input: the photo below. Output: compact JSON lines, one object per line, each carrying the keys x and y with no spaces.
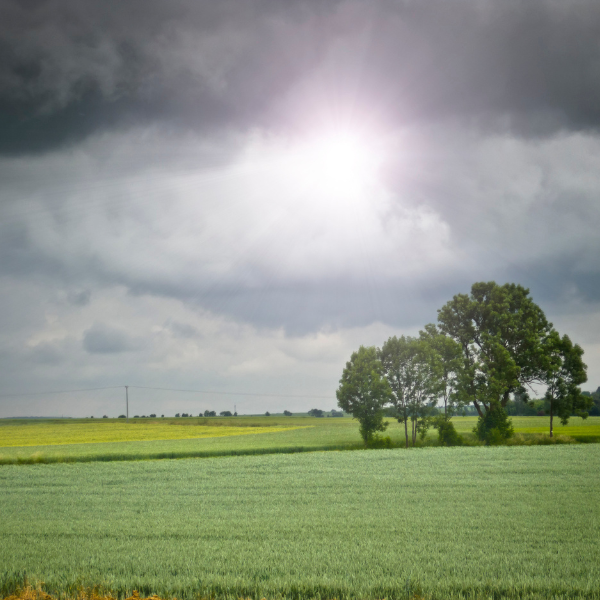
{"x":504,"y":522}
{"x":31,"y":441}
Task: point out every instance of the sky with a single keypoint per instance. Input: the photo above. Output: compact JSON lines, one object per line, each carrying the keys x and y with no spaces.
{"x":233,"y":196}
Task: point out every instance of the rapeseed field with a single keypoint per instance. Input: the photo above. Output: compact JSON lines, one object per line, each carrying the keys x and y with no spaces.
{"x":63,"y":432}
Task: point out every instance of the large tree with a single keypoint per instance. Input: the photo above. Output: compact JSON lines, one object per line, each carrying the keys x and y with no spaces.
{"x":566,"y":373}
{"x":414,"y":371}
{"x":450,"y":359}
{"x":504,"y":338}
{"x":364,"y":391}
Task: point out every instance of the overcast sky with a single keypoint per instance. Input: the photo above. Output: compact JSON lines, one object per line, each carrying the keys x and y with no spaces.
{"x":233,"y":196}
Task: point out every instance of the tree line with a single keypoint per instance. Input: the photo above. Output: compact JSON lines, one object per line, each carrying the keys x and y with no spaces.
{"x":489,"y":348}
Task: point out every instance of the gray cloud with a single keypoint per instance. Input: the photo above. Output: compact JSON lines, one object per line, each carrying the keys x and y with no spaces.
{"x":47,"y":354}
{"x":183,"y":330}
{"x":104,"y":339}
{"x":79,"y":298}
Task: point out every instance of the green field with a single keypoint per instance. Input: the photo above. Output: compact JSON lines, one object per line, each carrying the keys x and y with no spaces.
{"x":504,"y":522}
{"x":30,"y":441}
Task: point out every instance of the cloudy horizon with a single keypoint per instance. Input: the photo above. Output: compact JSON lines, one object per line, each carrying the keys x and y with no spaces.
{"x":234,"y":196}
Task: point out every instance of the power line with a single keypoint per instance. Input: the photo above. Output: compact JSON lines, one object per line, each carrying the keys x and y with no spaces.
{"x":141,"y":387}
{"x":114,"y":387}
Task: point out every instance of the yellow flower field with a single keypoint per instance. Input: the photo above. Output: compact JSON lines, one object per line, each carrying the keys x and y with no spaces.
{"x":101,"y":431}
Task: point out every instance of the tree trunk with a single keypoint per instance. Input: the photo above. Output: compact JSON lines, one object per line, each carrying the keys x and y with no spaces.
{"x":406,"y":428}
{"x":476,"y":404}
{"x":505,"y":399}
{"x":414,"y":433}
{"x":551,"y":418}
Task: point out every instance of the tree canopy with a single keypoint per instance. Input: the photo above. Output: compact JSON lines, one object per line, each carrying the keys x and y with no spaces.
{"x":503,"y":336}
{"x":566,"y":372}
{"x":414,"y":371}
{"x":364,"y":391}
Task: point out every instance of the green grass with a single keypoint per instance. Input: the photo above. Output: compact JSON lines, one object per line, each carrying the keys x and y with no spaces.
{"x":504,"y":522}
{"x":193,"y":437}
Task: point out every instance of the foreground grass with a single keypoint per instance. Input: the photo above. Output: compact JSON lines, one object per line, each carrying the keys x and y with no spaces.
{"x":511,"y":522}
{"x":193,"y":437}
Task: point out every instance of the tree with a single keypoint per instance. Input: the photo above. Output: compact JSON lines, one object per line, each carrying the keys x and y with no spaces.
{"x":267,"y":414}
{"x":450,"y":358}
{"x":595,"y":397}
{"x":503,"y":336}
{"x":316,"y":412}
{"x":566,"y":373}
{"x":226,"y":413}
{"x":210,"y":413}
{"x":413,"y":370}
{"x":287,"y":413}
{"x":364,"y":391}
{"x":121,"y":416}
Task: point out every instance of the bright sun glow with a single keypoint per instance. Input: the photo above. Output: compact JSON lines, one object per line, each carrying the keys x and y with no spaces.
{"x":337,"y":163}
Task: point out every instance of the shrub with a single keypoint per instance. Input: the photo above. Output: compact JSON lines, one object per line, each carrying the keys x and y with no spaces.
{"x":447,"y":434}
{"x":378,"y":441}
{"x":494,"y":427}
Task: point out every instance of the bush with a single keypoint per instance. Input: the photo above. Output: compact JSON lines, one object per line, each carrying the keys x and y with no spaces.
{"x":378,"y":441}
{"x":494,"y":427}
{"x":447,"y":434}
{"x":122,"y":417}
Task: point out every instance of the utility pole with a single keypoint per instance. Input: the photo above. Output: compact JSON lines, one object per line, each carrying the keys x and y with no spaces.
{"x":127,"y":402}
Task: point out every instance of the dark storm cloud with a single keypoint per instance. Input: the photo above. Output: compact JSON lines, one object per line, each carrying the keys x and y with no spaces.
{"x":69,"y":68}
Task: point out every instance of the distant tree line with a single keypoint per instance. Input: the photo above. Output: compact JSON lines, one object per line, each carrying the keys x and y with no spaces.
{"x":487,"y":351}
{"x":595,"y":396}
